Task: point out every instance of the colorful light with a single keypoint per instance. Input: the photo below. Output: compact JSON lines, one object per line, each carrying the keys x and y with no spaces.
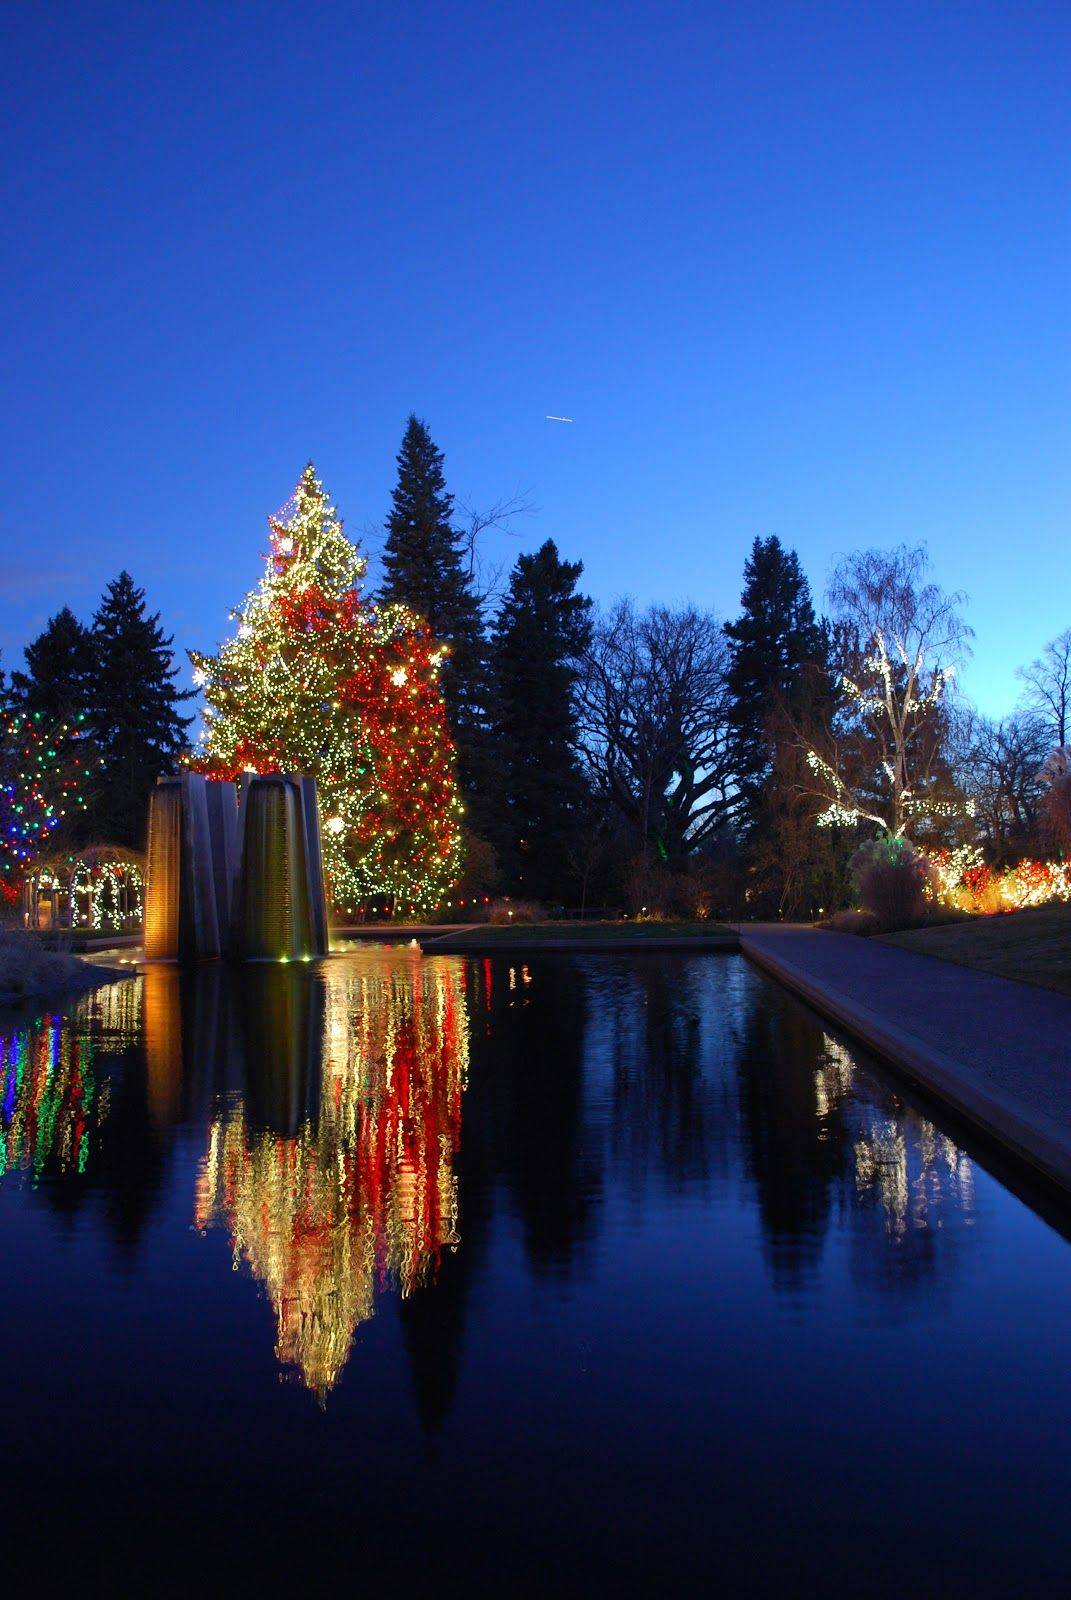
{"x":319,"y":681}
{"x":363,"y":1195}
{"x":43,"y":774}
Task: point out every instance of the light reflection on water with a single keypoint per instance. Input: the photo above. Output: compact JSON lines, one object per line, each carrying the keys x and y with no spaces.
{"x":643,"y":1178}
{"x":362,"y":1193}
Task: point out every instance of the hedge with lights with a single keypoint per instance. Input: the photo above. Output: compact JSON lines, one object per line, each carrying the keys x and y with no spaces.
{"x":43,"y":773}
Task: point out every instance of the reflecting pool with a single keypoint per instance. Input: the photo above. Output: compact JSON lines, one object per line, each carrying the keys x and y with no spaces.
{"x":572,"y":1274}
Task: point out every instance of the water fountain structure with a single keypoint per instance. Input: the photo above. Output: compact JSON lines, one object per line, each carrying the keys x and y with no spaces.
{"x":190,"y":867}
{"x":238,"y":879}
{"x":280,"y":910}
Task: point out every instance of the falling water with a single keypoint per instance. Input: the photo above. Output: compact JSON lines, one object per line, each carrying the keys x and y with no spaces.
{"x":191,"y":857}
{"x":163,"y":871}
{"x":279,"y":901}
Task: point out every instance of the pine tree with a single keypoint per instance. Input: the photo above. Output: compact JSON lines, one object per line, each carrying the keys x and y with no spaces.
{"x":541,"y":632}
{"x":59,"y":669}
{"x":778,"y":654}
{"x":318,"y":681}
{"x":426,"y":570}
{"x":134,"y":711}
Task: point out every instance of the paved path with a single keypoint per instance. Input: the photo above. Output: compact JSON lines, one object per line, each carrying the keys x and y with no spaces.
{"x":998,"y":1052}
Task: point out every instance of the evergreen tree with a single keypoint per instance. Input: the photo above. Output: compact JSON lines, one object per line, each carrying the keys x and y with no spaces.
{"x":59,"y":669}
{"x":318,"y":681}
{"x":781,"y":682}
{"x":778,"y":663}
{"x":133,"y":710}
{"x":541,"y":632}
{"x":426,"y":570}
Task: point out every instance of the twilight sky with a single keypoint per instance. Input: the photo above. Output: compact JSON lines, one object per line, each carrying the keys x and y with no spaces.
{"x":793,"y":268}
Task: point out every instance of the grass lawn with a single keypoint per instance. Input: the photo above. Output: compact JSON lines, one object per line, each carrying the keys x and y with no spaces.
{"x":1033,"y":946}
{"x":585,"y":932}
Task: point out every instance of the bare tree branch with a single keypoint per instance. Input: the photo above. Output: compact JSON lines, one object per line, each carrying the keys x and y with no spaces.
{"x":654,"y":716}
{"x":1047,"y":688}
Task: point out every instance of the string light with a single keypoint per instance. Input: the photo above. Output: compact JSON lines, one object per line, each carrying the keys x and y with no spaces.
{"x":42,"y":780}
{"x":114,"y":891}
{"x":963,"y":880}
{"x":890,"y":706}
{"x":320,"y":681}
{"x":363,"y":1194}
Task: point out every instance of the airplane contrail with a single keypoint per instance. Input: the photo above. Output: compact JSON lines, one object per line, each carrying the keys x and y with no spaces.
{"x":549,"y":418}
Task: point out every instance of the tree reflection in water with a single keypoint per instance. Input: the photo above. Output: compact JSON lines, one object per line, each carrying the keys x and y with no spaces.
{"x":325,"y":1102}
{"x":841,"y":1136}
{"x":48,"y":1098}
{"x":74,"y":1120}
{"x":359,"y":1191}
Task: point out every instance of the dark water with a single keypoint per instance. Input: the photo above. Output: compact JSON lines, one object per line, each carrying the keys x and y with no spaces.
{"x":582,"y":1275}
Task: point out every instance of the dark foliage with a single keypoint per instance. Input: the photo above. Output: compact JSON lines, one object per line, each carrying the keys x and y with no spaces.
{"x":780,"y":683}
{"x":134,"y":710}
{"x":776,"y":648}
{"x":891,"y":878}
{"x":59,"y":666}
{"x":540,"y":634}
{"x":426,"y":567}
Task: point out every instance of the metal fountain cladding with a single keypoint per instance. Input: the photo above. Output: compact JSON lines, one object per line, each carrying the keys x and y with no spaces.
{"x":237,"y":875}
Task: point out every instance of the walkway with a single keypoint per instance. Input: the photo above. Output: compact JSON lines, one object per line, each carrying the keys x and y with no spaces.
{"x":996,"y":1051}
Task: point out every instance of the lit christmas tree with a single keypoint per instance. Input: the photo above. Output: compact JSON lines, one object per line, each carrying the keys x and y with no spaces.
{"x":319,"y":681}
{"x":42,"y":780}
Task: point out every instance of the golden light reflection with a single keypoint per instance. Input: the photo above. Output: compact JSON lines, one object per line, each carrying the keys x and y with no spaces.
{"x":916,"y":1174}
{"x":362,"y":1195}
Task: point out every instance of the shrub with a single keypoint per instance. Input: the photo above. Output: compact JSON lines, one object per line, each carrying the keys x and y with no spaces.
{"x":506,"y":911}
{"x":861,"y":922}
{"x":651,"y":889}
{"x":891,"y":880}
{"x":964,"y":882}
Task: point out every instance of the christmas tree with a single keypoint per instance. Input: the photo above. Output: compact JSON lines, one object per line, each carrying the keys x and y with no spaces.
{"x":318,"y":681}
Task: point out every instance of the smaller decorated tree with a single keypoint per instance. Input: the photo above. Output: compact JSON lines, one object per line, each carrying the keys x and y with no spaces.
{"x":883,"y":759}
{"x":319,"y":681}
{"x":43,"y":774}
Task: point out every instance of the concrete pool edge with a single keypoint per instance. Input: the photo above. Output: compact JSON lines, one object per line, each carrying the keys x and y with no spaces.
{"x":476,"y":946}
{"x":1023,"y":1131}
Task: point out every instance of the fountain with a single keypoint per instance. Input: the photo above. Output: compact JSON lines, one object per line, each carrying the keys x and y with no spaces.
{"x":280,"y":912}
{"x":190,"y":867}
{"x":223,"y":879}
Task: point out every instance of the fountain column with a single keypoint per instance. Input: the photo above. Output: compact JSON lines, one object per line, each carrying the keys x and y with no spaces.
{"x":280,"y":910}
{"x":190,"y":867}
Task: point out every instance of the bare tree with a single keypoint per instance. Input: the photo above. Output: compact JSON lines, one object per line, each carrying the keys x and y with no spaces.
{"x":1000,"y":770}
{"x":1055,"y":779}
{"x":498,"y":518}
{"x":1047,"y":688}
{"x":654,"y":714}
{"x":900,"y":639}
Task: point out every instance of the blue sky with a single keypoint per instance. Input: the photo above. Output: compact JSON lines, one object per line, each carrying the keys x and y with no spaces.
{"x":792,"y":268}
